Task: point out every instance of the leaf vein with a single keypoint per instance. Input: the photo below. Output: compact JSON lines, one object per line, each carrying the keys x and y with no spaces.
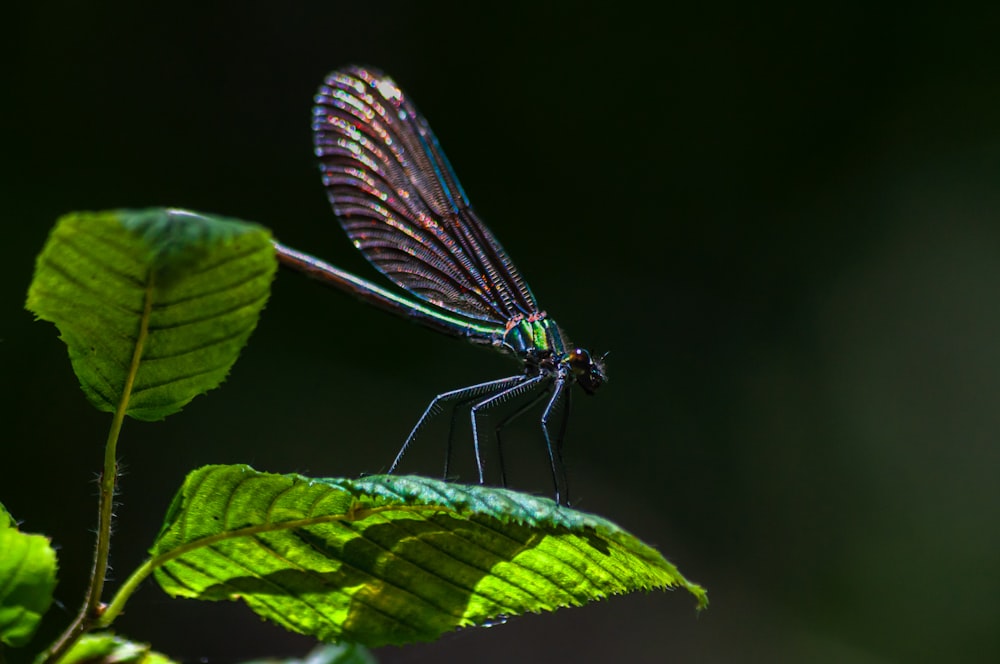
{"x":209,"y":316}
{"x":85,"y":287}
{"x":355,"y":597}
{"x":101,"y":261}
{"x":219,"y":341}
{"x":179,"y":378}
{"x":470,"y":589}
{"x":229,"y":258}
{"x":242,"y":280}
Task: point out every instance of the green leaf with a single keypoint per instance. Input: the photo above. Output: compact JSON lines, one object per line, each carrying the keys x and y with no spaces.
{"x":27,"y":580}
{"x":391,"y":559}
{"x":345,"y":653}
{"x":154,"y":305}
{"x":107,"y":648}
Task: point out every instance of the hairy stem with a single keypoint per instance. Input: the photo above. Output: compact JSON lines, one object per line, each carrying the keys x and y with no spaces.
{"x":90,"y":612}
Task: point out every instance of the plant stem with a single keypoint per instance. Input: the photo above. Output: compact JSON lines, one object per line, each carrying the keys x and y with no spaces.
{"x":117,"y":602}
{"x":90,"y":612}
{"x":92,"y":607}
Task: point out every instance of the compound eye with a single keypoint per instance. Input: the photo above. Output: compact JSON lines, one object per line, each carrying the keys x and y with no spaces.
{"x":579,"y":360}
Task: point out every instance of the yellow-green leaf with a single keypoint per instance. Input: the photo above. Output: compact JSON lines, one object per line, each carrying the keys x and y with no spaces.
{"x":108,"y":648}
{"x":154,"y":305}
{"x":391,"y":559}
{"x":27,"y":580}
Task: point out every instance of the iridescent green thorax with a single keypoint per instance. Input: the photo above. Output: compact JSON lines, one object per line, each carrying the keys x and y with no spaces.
{"x":534,"y":334}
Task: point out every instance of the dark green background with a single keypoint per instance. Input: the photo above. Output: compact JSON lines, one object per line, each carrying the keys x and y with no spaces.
{"x":783,"y":225}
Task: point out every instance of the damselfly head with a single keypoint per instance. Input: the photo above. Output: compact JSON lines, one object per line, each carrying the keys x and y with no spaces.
{"x":588,"y":371}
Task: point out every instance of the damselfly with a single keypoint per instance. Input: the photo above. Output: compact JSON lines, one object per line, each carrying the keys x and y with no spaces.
{"x":399,"y":201}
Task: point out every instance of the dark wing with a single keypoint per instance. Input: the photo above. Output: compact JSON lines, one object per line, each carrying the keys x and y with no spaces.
{"x":400,"y":202}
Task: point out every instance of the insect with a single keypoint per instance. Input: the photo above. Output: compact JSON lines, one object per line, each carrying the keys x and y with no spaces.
{"x":401,"y":204}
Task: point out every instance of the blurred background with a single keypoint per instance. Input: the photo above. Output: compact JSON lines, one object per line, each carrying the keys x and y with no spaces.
{"x":784,"y":226}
